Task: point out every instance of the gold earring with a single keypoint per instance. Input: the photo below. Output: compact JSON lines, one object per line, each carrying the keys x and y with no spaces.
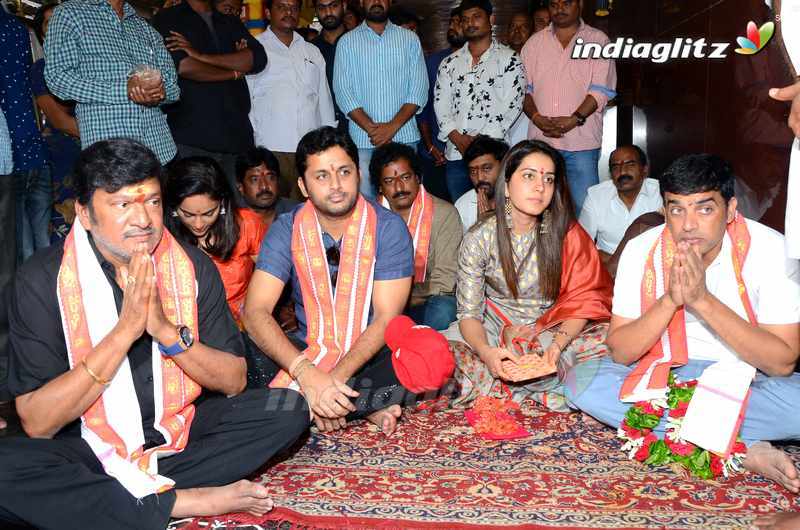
{"x":508,"y":206}
{"x":544,"y":226}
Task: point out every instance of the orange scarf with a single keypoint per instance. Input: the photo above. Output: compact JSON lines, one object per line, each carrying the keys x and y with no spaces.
{"x":671,"y":350}
{"x":110,"y":425}
{"x":334,"y":321}
{"x":586,"y":288}
{"x":420,"y":223}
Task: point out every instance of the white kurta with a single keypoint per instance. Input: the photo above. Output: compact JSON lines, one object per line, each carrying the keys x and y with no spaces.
{"x":790,"y":29}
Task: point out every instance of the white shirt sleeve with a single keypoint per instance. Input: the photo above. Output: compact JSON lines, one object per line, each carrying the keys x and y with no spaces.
{"x":588,"y":217}
{"x":779,"y":288}
{"x":627,"y":301}
{"x":326,"y":110}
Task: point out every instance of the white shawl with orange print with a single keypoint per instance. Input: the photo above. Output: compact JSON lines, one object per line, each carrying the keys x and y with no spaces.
{"x":112,"y":426}
{"x":334,"y":322}
{"x":420,"y":224}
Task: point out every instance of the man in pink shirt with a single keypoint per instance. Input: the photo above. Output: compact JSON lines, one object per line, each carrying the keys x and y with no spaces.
{"x":565,"y":96}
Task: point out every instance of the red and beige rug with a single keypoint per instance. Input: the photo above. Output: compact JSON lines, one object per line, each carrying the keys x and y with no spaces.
{"x":435,"y":473}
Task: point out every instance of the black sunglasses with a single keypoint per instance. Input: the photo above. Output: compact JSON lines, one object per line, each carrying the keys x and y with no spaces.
{"x":332,"y":255}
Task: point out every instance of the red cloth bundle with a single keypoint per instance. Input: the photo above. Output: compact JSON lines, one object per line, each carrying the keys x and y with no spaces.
{"x":421,"y":356}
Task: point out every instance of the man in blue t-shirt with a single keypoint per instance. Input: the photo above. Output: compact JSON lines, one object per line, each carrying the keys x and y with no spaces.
{"x":327,"y":162}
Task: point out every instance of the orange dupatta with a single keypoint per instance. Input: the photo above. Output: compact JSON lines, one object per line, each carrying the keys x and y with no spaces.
{"x":120,"y":450}
{"x":420,"y":223}
{"x":586,"y":288}
{"x":671,"y":350}
{"x":334,"y":322}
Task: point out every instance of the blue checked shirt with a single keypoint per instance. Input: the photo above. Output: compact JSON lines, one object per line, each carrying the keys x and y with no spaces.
{"x":380,"y":74}
{"x":6,"y":159}
{"x":89,"y":53}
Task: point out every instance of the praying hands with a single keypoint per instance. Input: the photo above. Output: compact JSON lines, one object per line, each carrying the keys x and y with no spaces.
{"x":141,"y":304}
{"x":687,"y":279}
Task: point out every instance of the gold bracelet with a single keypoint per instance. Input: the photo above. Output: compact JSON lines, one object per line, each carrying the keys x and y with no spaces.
{"x":303,"y":368}
{"x":295,"y":364}
{"x":94,"y":375}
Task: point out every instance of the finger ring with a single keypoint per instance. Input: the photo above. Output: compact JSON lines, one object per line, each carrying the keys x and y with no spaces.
{"x":131,"y":280}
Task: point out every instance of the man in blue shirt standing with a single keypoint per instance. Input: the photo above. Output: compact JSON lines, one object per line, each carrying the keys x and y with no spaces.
{"x":380,"y":82}
{"x":31,"y":176}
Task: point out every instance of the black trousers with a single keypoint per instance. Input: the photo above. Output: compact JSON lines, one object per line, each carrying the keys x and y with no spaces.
{"x":60,"y":483}
{"x":376,"y":381}
{"x":8,"y":262}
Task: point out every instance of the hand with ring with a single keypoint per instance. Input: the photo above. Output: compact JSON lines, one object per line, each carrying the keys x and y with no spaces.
{"x":138,"y":278}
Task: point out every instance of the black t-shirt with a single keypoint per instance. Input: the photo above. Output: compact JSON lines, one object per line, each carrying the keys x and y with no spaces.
{"x":211,"y":115}
{"x":38,"y":351}
{"x":328,"y":52}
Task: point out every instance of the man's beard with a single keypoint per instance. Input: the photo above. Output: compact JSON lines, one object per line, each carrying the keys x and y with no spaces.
{"x":486,"y":188}
{"x":340,"y":210}
{"x":374,"y":15}
{"x":455,"y":40}
{"x":331,"y":22}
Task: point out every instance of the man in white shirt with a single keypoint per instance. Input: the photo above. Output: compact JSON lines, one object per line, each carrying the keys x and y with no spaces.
{"x":479,"y":90}
{"x":483,"y":159}
{"x":612,"y":206}
{"x":787,"y":12}
{"x":740,"y":297}
{"x":291,"y":95}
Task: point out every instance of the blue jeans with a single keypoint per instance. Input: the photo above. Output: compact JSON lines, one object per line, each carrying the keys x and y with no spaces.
{"x":771,"y":414}
{"x":33,"y":192}
{"x":364,"y":158}
{"x":457,"y":178}
{"x":581,"y":174}
{"x":438,"y":312}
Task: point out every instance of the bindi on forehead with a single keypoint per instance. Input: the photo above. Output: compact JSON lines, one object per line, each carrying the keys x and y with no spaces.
{"x":140,"y":192}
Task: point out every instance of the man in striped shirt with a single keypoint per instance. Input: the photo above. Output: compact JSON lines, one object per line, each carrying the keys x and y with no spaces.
{"x":566,"y":96}
{"x":380,"y":82}
{"x":91,"y":50}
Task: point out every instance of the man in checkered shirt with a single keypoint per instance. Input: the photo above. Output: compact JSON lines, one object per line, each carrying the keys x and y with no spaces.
{"x":91,"y":50}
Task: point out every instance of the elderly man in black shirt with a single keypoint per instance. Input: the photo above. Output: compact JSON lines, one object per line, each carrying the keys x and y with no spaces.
{"x":123,"y":353}
{"x":212,"y":53}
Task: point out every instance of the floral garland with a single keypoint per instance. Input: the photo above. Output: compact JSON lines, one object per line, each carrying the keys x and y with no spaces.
{"x":644,"y":446}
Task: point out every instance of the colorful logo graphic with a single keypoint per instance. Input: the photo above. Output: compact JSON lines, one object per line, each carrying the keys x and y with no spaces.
{"x":756,"y":39}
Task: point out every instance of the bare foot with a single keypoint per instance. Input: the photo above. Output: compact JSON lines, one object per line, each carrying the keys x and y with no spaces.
{"x":3,"y":424}
{"x":242,"y":496}
{"x":386,"y":419}
{"x":778,"y":521}
{"x":772,"y":463}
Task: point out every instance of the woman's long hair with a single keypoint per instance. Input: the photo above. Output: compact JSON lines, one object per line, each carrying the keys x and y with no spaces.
{"x":548,"y":242}
{"x":200,"y":175}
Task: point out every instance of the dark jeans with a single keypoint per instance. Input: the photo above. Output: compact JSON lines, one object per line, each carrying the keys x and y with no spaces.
{"x":438,"y":312}
{"x":434,"y":177}
{"x":61,"y":484}
{"x":33,"y":192}
{"x":8,"y":262}
{"x":376,"y":382}
{"x":226,"y":160}
{"x":458,"y":182}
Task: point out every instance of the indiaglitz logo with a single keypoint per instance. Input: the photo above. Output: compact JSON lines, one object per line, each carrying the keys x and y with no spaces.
{"x":756,"y":38}
{"x":679,"y":48}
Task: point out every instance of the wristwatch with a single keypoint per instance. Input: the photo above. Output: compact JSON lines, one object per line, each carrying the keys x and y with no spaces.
{"x":185,"y":341}
{"x":581,"y":119}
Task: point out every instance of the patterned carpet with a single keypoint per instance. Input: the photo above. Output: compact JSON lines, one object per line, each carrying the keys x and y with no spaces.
{"x":434,"y":473}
